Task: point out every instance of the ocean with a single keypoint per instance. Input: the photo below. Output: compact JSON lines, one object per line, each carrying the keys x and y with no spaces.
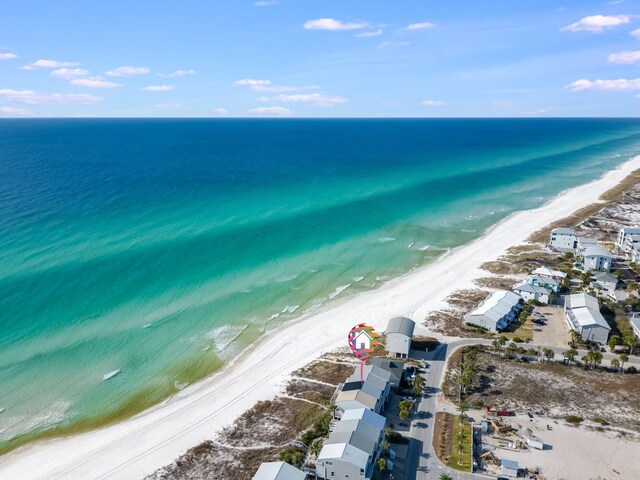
{"x":138,"y":256}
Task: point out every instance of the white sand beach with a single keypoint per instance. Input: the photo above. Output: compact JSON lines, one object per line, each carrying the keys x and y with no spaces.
{"x":140,"y":445}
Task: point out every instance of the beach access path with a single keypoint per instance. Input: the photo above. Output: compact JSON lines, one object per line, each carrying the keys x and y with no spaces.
{"x":136,"y":447}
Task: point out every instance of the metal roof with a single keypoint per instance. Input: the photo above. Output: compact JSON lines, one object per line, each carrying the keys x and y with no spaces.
{"x":402,"y":325}
{"x":278,"y":471}
{"x":548,"y":272}
{"x":525,"y":287}
{"x":585,"y":310}
{"x":596,"y":251}
{"x":366,"y":415}
{"x":509,"y":463}
{"x":501,"y":302}
{"x":563,"y":231}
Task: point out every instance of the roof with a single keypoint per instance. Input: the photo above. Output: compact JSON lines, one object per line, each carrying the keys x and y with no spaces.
{"x":377,"y":376}
{"x":635,"y":323}
{"x":581,"y":300}
{"x":278,"y":471}
{"x":540,"y":279}
{"x":393,"y":366}
{"x":509,"y":463}
{"x":401,"y":325}
{"x":586,"y":311}
{"x":596,"y":251}
{"x":547,"y":272}
{"x":365,"y":415}
{"x":501,"y":301}
{"x":362,"y":428}
{"x":525,"y":287}
{"x":563,"y":231}
{"x":345,"y":451}
{"x":355,"y":399}
{"x":604,"y":277}
{"x":631,"y":230}
{"x":587,"y":241}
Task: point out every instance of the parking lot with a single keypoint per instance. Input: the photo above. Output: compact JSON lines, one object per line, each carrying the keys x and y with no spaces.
{"x":555,"y":332}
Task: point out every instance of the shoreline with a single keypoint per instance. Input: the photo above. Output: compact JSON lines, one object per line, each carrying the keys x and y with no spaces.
{"x":155,"y":437}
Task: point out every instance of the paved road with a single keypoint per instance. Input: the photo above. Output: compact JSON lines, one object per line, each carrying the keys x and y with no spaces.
{"x":421,"y":457}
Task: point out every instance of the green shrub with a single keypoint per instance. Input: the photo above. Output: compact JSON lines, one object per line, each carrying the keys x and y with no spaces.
{"x":574,"y":419}
{"x":601,"y":421}
{"x":632,"y":369}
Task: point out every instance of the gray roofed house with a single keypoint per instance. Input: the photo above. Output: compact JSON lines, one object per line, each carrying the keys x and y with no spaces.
{"x":399,"y":334}
{"x":582,"y":314}
{"x":495,"y":312}
{"x":546,"y":282}
{"x":594,"y":257}
{"x":278,"y":471}
{"x":395,"y":367}
{"x":366,"y":415}
{"x":563,"y":239}
{"x":604,"y":281}
{"x":533,"y":292}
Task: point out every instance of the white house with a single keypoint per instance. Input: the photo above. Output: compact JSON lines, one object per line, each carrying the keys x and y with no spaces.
{"x":584,"y":242}
{"x":549,"y":273}
{"x":596,"y":258}
{"x":582,"y":314}
{"x":546,"y":282}
{"x":496,"y":312}
{"x":627,"y":238}
{"x":399,"y":335}
{"x":563,"y":239}
{"x":278,"y":471}
{"x":604,"y":281}
{"x":533,"y":292}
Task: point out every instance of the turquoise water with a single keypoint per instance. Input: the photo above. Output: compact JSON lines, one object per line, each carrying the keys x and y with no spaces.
{"x":162,"y":248}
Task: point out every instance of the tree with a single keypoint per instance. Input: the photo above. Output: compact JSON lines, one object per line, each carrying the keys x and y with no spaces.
{"x":512,"y":349}
{"x":586,"y":278}
{"x":293,"y":456}
{"x":496,"y":347}
{"x":571,"y":354}
{"x":576,"y":339}
{"x":596,"y":357}
{"x":418,"y":385}
{"x":405,"y":405}
{"x":463,"y":408}
{"x":502,"y":340}
{"x":548,"y":353}
{"x":616,"y":364}
{"x":445,"y":476}
{"x":613,"y":341}
{"x":403,"y":414}
{"x":624,"y":358}
{"x":630,"y":341}
{"x":382,"y":464}
{"x":385,"y":445}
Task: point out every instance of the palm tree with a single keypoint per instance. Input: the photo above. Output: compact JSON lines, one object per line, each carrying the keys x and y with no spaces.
{"x":624,"y":358}
{"x":404,"y":414}
{"x":613,"y":341}
{"x":382,"y":464}
{"x":512,"y":348}
{"x":463,"y":408}
{"x":496,"y":347}
{"x":596,"y":357}
{"x":616,"y":364}
{"x":549,"y":354}
{"x":445,"y":476}
{"x":575,"y":338}
{"x":630,"y":341}
{"x":571,"y":354}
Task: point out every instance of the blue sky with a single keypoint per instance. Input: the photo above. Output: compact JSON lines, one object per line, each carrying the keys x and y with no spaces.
{"x":319,"y":58}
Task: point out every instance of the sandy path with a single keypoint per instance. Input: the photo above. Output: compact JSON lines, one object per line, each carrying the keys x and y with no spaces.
{"x":154,"y":438}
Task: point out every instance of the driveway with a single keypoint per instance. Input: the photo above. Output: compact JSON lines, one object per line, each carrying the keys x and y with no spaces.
{"x":556,"y":332}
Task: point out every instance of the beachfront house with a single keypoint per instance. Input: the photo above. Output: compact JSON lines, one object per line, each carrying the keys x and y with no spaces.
{"x":357,"y":394}
{"x":394,"y":367}
{"x":584,"y":242}
{"x":373,"y":375}
{"x":399,"y":334}
{"x":353,"y":447}
{"x":278,"y":471}
{"x":582,"y":314}
{"x":628,"y":238}
{"x":595,"y":257}
{"x":530,"y":292}
{"x":546,"y":272}
{"x":496,"y":312}
{"x":546,"y":282}
{"x":604,"y":281}
{"x":563,"y":239}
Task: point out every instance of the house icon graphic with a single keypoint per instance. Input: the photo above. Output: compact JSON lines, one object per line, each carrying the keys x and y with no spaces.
{"x":362,"y":341}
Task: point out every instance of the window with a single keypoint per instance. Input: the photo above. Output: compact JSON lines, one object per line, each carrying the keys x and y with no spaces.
{"x":333,"y":474}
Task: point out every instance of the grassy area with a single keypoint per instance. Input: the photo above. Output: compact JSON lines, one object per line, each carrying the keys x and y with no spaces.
{"x":524,"y":331}
{"x":461,"y":459}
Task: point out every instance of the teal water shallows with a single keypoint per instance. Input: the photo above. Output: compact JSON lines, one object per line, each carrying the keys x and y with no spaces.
{"x":137,"y":256}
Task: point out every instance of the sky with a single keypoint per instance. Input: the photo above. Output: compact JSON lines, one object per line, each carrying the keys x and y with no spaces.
{"x":319,"y":58}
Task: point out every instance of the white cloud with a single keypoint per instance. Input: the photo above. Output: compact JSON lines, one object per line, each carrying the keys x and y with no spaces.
{"x":271,"y":111}
{"x":503,"y":104}
{"x":168,"y":106}
{"x":266,"y":86}
{"x":127,"y":71}
{"x":419,"y":26}
{"x":597,"y":23}
{"x":333,"y":24}
{"x":29,"y":97}
{"x":636,"y":33}
{"x":248,"y":82}
{"x":8,"y":56}
{"x":13,"y":112}
{"x":219,"y":111}
{"x":266,"y":3}
{"x":372,"y":33}
{"x":316,"y":99}
{"x":95,"y":82}
{"x":158,"y":88}
{"x":48,"y":64}
{"x":626,"y":58}
{"x":68,"y":73}
{"x":433,"y":103}
{"x":391,"y":43}
{"x":620,"y":84}
{"x":177,"y":73}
